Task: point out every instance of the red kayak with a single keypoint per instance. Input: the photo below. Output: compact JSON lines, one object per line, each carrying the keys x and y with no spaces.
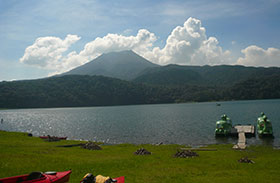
{"x":49,"y":137}
{"x":38,"y":177}
{"x":119,"y":179}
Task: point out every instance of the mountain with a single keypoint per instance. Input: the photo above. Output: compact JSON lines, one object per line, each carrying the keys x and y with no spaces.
{"x":127,"y":65}
{"x":222,"y":75}
{"x":147,"y":83}
{"x":124,"y":65}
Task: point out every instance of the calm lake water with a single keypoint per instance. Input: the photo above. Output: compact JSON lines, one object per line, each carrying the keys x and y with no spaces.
{"x":190,"y":124}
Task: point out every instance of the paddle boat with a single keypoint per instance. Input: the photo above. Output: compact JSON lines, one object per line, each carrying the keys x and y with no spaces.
{"x":264,"y":126}
{"x":223,"y":126}
{"x":39,"y":177}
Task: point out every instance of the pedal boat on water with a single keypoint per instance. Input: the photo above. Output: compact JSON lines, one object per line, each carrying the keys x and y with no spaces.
{"x":264,"y":126}
{"x":223,"y":126}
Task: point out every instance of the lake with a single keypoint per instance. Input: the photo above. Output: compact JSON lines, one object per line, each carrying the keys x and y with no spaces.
{"x":190,"y":123}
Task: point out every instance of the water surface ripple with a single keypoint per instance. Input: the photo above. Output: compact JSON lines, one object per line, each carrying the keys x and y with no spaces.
{"x":190,"y":124}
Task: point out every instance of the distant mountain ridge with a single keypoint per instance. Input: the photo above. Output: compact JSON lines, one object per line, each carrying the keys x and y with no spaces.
{"x":79,"y":90}
{"x":221,"y":75}
{"x":129,"y":66}
{"x":124,"y":65}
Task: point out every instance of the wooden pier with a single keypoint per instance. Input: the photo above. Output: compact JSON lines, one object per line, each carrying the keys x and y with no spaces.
{"x":242,"y":131}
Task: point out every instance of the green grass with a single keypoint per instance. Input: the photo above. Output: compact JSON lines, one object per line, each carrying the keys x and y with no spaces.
{"x":20,"y":154}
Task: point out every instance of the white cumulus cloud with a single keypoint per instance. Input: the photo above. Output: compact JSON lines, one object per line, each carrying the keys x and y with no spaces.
{"x":114,"y":42}
{"x":256,"y":56}
{"x":46,"y":52}
{"x":188,"y":44}
{"x":210,"y":53}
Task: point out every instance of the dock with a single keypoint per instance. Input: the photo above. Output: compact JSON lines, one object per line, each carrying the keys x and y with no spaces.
{"x":242,"y":131}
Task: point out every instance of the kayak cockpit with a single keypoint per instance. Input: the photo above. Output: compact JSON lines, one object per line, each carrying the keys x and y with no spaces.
{"x":39,"y":177}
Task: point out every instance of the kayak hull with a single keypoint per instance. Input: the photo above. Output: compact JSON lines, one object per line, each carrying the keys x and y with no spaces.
{"x":51,"y":177}
{"x":119,"y":179}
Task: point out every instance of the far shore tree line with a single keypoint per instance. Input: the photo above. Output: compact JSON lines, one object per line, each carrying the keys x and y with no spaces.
{"x":78,"y":90}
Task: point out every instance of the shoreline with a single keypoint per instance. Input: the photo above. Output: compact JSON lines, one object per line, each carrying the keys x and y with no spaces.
{"x":101,"y":106}
{"x":224,"y":140}
{"x":158,"y":143}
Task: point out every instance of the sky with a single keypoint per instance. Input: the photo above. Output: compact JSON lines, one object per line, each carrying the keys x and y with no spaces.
{"x":46,"y":37}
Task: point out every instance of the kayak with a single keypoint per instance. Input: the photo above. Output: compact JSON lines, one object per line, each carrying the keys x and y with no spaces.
{"x":119,"y":179}
{"x":47,"y":137}
{"x":39,"y":177}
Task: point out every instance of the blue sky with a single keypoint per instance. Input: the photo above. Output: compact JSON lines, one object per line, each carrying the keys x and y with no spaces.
{"x":70,"y":33}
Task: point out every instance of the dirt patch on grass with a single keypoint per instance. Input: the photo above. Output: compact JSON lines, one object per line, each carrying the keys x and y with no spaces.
{"x":245,"y":160}
{"x":91,"y":146}
{"x":185,"y":154}
{"x":142,"y":151}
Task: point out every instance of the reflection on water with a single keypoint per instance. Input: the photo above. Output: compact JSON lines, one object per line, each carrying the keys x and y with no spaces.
{"x":226,"y":140}
{"x":190,"y":124}
{"x":267,"y":140}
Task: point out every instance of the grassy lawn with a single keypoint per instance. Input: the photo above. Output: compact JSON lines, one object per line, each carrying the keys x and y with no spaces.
{"x":20,"y":154}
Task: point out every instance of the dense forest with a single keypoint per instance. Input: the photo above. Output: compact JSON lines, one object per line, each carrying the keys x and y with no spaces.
{"x":78,"y":90}
{"x":221,"y":75}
